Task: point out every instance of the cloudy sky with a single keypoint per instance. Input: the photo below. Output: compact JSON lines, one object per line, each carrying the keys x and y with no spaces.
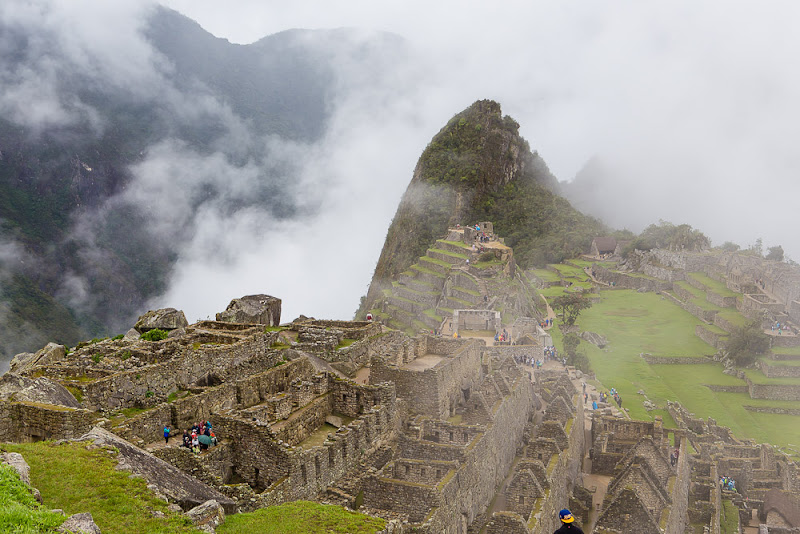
{"x":691,"y":107}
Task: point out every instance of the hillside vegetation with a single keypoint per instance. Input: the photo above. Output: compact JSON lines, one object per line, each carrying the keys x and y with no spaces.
{"x":478,"y":168}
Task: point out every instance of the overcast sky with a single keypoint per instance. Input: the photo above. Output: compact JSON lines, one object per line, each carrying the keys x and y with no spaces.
{"x":692,"y":107}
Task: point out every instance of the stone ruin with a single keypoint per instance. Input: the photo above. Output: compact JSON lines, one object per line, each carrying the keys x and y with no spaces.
{"x":434,"y":434}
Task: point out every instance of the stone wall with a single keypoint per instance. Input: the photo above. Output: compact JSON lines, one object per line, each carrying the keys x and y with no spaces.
{"x":151,"y":385}
{"x":779,"y":371}
{"x":486,"y":463}
{"x":434,"y":391}
{"x":563,"y":472}
{"x":23,"y":422}
{"x":630,"y":281}
{"x":719,"y":300}
{"x":712,"y":338}
{"x":678,"y":517}
{"x":663,"y":273}
{"x":774,"y":391}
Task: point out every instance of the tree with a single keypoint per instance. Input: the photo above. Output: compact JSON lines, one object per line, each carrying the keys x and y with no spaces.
{"x":729,"y":246}
{"x":757,"y":247}
{"x":578,"y":360}
{"x":570,"y":306}
{"x":775,"y":253}
{"x":747,"y":343}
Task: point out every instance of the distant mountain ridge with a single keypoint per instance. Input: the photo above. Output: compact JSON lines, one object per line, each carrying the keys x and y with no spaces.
{"x":72,"y":240}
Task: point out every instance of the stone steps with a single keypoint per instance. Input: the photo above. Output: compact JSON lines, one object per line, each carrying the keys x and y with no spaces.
{"x":451,"y":246}
{"x":428,"y":298}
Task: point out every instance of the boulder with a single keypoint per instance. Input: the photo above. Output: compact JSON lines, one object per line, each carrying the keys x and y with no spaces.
{"x":79,"y":523}
{"x":595,"y":339}
{"x":253,"y":309}
{"x":41,"y":390}
{"x":15,"y":460}
{"x":52,"y":352}
{"x":208,"y":516}
{"x":163,"y":319}
{"x":132,"y":334}
{"x":20,"y":361}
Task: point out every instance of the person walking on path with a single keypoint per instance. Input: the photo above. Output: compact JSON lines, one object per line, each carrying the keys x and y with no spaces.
{"x":567,"y":525}
{"x":166,"y":434}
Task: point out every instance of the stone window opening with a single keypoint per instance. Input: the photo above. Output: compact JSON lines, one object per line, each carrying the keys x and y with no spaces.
{"x":438,"y":473}
{"x":408,"y":470}
{"x":303,"y":471}
{"x":522,"y":499}
{"x":422,"y":471}
{"x":331,"y":457}
{"x":451,"y":436}
{"x":317,"y":467}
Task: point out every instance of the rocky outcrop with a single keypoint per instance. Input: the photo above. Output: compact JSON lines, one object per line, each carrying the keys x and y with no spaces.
{"x":163,"y":478}
{"x":42,"y":390}
{"x":253,"y":309}
{"x":207,"y":516}
{"x":79,"y":524}
{"x":163,"y":319}
{"x":595,"y":339}
{"x":52,"y":352}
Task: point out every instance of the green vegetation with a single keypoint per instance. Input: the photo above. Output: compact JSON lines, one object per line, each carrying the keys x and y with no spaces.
{"x":728,"y":518}
{"x":301,"y":517}
{"x":570,"y":306}
{"x":470,"y":163}
{"x":746,"y":343}
{"x":76,"y":479}
{"x":667,"y":235}
{"x":156,"y":334}
{"x":19,"y":511}
{"x":636,"y":323}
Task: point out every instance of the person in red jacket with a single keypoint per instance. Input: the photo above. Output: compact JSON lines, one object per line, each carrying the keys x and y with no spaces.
{"x":567,"y":526}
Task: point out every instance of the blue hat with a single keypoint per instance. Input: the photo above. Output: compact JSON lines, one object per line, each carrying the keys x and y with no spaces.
{"x":566,"y":516}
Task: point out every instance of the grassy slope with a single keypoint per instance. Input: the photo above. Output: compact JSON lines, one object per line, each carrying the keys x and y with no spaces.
{"x":302,"y":517}
{"x":643,"y":322}
{"x":77,"y":479}
{"x":19,"y":512}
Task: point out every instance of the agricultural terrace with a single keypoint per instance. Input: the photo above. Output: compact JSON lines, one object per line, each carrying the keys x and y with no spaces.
{"x":637,"y":323}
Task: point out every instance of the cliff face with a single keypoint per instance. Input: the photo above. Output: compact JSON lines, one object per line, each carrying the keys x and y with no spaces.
{"x":479,"y":168}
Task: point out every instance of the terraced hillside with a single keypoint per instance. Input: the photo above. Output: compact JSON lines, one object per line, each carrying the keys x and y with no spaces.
{"x":451,"y":276}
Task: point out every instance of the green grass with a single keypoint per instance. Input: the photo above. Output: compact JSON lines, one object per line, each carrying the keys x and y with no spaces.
{"x":794,"y":351}
{"x":717,"y":287}
{"x":728,"y":518}
{"x":432,"y":313}
{"x":757,"y":377}
{"x":643,"y":322}
{"x":76,"y":479}
{"x":423,"y":269}
{"x":546,"y":275}
{"x":448,"y":253}
{"x":457,"y":243}
{"x":19,"y":511}
{"x":301,"y":517}
{"x":781,"y":363}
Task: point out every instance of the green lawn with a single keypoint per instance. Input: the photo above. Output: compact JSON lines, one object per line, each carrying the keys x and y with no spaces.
{"x":301,"y":517}
{"x":795,"y":351}
{"x":76,"y":479}
{"x":643,"y":322}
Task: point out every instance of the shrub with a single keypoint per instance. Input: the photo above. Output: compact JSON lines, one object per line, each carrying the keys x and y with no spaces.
{"x":747,"y":343}
{"x":97,"y":357}
{"x":117,"y":337}
{"x":155,"y":334}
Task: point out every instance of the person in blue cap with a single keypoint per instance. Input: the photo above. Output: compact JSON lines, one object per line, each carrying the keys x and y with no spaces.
{"x":567,"y":525}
